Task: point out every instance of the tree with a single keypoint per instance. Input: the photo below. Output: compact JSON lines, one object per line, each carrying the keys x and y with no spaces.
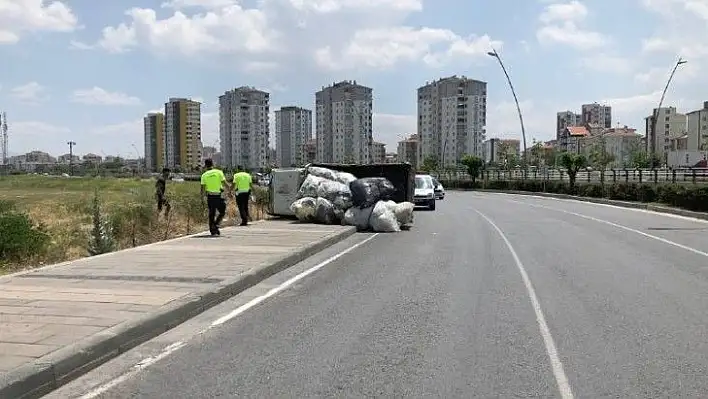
{"x":572,"y":164}
{"x":641,"y":160}
{"x":474,"y":165}
{"x":599,"y":158}
{"x":430,"y":163}
{"x":536,"y":151}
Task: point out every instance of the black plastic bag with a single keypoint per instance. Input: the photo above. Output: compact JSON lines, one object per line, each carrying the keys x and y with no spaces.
{"x":368,"y":191}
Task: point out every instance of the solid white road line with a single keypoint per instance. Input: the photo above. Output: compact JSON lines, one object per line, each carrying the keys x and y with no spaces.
{"x":556,"y":365}
{"x":282,"y":287}
{"x":149,"y":361}
{"x":622,"y":208}
{"x":619,"y":226}
{"x":135,"y":370}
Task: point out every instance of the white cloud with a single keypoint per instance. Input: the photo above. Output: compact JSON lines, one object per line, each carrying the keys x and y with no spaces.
{"x":569,"y":34}
{"x":608,"y":63}
{"x":230,"y":29}
{"x":539,"y":121}
{"x":282,"y":32}
{"x":561,"y":12}
{"x":77,"y":45}
{"x":26,"y":136}
{"x":330,"y":6}
{"x":392,"y":128}
{"x":31,"y":93}
{"x":208,"y":4}
{"x":383,"y":48}
{"x":561,"y":25}
{"x":22,"y":16}
{"x":657,"y":76}
{"x":99,"y":96}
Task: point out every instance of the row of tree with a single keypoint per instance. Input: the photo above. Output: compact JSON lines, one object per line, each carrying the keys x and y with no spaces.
{"x":539,"y":156}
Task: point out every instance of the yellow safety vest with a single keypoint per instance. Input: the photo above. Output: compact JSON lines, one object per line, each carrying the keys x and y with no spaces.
{"x":213,"y":180}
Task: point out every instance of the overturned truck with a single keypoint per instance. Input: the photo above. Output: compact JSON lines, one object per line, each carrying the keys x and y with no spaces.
{"x":375,"y":197}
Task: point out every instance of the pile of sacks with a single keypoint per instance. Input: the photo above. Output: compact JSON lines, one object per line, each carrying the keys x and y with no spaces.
{"x":330,"y":197}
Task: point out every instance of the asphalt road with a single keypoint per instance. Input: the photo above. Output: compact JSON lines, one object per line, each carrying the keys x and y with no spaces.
{"x":445,"y":310}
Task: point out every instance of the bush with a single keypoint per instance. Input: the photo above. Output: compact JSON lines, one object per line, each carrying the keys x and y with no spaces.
{"x":101,"y":240}
{"x":133,"y":220}
{"x":20,"y":238}
{"x":691,"y":197}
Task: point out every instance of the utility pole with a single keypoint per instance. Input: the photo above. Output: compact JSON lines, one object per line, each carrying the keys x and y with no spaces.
{"x":655,"y":115}
{"x":71,"y":145}
{"x":496,"y":55}
{"x":4,"y":139}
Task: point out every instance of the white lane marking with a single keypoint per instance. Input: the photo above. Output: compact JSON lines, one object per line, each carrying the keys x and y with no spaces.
{"x":255,"y":301}
{"x":622,"y":208}
{"x":556,"y":364}
{"x":143,"y":364}
{"x":619,"y":226}
{"x":149,"y":361}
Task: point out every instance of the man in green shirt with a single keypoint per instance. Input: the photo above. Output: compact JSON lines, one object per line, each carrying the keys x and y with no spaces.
{"x":213,"y":185}
{"x":243,"y":183}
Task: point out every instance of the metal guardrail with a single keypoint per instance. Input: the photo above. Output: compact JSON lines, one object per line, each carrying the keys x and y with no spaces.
{"x":648,"y":176}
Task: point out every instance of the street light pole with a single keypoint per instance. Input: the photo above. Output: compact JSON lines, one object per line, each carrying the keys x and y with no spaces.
{"x":495,"y":54}
{"x":71,"y":157}
{"x":655,"y":113}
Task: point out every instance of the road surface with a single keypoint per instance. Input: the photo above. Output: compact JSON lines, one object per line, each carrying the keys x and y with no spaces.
{"x":489,"y":296}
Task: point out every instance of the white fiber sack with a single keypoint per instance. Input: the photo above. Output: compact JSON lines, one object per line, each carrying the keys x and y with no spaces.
{"x":304,"y":209}
{"x":404,"y":212}
{"x":335,"y":192}
{"x":344,"y":177}
{"x":383,"y":220}
{"x":309,"y":187}
{"x":358,"y":217}
{"x":324,"y":173}
{"x":329,"y":174}
{"x":324,"y":211}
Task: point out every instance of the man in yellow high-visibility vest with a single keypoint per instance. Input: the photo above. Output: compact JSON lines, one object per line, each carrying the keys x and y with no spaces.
{"x":213,"y":185}
{"x":243,"y":183}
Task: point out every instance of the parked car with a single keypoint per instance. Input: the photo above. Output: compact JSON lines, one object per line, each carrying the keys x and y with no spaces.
{"x":424,"y":192}
{"x":439,"y":189}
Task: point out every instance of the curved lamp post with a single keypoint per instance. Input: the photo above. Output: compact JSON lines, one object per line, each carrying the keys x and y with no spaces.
{"x":655,"y":116}
{"x":494,"y":54}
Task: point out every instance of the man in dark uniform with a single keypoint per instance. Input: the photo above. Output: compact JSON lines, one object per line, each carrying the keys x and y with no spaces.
{"x":160,"y":188}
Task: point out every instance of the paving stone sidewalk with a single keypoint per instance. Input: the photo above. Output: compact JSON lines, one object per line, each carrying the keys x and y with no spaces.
{"x":60,"y":321}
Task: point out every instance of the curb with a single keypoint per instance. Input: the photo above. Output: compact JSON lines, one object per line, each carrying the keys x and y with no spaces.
{"x":604,"y":201}
{"x":66,"y":364}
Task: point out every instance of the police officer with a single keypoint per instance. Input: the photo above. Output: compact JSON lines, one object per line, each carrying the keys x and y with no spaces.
{"x":213,"y":182}
{"x":243,"y":183}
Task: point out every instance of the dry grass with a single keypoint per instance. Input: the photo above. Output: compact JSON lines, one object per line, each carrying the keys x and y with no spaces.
{"x":64,"y":207}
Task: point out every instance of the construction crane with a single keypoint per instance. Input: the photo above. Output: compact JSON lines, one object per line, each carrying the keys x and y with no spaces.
{"x":4,"y":139}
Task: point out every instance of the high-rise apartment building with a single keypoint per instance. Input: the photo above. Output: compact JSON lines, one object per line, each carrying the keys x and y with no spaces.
{"x":344,"y":119}
{"x":596,"y":114}
{"x":154,"y":125}
{"x":293,"y":129}
{"x":407,"y":151}
{"x":566,"y":119}
{"x":243,"y":128}
{"x":183,"y":134}
{"x":669,"y":125}
{"x":697,"y":129}
{"x":378,"y":152}
{"x":452,"y":115}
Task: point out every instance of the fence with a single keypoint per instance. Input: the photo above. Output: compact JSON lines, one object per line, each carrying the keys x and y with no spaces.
{"x":647,"y":176}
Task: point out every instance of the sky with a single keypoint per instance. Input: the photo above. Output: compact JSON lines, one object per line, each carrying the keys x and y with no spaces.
{"x":88,"y":71}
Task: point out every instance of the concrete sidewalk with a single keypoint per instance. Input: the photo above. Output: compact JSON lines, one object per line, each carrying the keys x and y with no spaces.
{"x":59,"y":322}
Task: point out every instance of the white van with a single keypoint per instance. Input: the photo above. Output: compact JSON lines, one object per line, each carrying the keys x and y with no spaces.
{"x":424,"y":191}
